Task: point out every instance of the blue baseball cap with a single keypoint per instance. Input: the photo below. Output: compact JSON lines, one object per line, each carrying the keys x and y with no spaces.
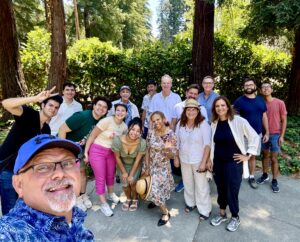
{"x":42,"y":142}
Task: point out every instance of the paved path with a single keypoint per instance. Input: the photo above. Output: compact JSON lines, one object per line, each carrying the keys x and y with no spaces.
{"x":265,"y":216}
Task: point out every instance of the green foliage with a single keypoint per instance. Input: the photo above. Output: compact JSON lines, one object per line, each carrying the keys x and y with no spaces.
{"x":236,"y":59}
{"x":124,"y":23}
{"x":35,"y":57}
{"x":272,"y":18}
{"x":28,"y":13}
{"x":289,"y":161}
{"x":171,"y":19}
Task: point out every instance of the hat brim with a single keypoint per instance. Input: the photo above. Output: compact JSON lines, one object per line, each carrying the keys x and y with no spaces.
{"x":149,"y":186}
{"x":68,"y":145}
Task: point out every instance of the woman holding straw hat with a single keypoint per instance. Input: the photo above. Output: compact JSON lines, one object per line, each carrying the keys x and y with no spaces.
{"x":161,"y":147}
{"x":193,"y":141}
{"x":129,"y":150}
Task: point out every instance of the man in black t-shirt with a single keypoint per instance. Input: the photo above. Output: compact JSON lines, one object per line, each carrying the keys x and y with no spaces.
{"x":28,"y":123}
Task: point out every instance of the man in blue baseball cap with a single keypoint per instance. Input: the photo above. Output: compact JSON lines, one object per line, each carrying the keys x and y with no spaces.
{"x":28,"y":123}
{"x":47,"y":180}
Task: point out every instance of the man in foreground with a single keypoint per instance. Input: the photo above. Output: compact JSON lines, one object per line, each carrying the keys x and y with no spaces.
{"x":47,"y":180}
{"x":277,"y":119}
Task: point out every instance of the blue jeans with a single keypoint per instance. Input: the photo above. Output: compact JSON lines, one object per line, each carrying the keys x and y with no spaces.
{"x":7,"y":192}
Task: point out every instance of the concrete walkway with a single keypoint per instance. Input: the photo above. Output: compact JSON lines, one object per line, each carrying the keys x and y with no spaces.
{"x":265,"y":216}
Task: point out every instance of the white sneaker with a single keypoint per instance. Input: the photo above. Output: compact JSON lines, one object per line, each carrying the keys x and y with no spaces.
{"x":80,"y":204}
{"x":113,"y":197}
{"x":86,"y":201}
{"x":105,"y":209}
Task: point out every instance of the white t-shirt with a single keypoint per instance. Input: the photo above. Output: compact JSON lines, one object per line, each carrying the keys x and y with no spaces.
{"x":109,"y":129}
{"x":178,"y":109}
{"x":191,"y":142}
{"x":65,"y":111}
{"x":164,"y":104}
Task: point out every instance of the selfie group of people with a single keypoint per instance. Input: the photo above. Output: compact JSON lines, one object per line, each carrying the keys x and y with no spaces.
{"x":45,"y":154}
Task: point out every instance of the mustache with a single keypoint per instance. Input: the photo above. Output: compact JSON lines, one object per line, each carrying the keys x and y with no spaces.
{"x":58,"y":183}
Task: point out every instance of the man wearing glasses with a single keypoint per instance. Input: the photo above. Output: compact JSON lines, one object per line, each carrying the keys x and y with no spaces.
{"x":207,"y":97}
{"x":277,"y":119}
{"x":47,"y":180}
{"x":254,"y":110}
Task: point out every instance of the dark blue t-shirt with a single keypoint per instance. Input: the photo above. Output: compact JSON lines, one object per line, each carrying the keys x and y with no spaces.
{"x":251,"y":109}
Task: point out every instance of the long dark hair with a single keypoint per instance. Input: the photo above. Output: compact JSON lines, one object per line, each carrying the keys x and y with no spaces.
{"x":198,"y":120}
{"x":230,"y":112}
{"x":135,"y":121}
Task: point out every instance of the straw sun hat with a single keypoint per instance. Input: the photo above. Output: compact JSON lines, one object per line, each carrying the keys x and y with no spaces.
{"x":143,"y":186}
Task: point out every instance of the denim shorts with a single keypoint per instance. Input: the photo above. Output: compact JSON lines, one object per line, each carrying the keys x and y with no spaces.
{"x":273,"y":143}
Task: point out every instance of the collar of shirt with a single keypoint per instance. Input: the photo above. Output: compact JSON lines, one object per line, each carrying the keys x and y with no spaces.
{"x":43,"y":221}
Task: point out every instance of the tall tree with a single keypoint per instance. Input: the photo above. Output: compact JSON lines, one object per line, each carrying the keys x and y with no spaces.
{"x":203,"y":37}
{"x":77,"y":28}
{"x":276,"y":18}
{"x":11,"y":74}
{"x":28,"y":13}
{"x":57,"y":72}
{"x":170,"y":19}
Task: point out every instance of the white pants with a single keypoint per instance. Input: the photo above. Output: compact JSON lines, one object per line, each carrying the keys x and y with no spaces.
{"x":196,"y":188}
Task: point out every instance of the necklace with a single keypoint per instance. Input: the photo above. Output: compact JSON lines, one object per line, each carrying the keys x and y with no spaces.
{"x":188,"y":130}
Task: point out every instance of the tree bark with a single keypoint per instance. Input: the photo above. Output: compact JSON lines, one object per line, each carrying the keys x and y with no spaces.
{"x":47,"y":14}
{"x":86,"y":22}
{"x":77,"y":27}
{"x":203,"y":37}
{"x":57,"y":73}
{"x":294,"y":82}
{"x":11,"y":74}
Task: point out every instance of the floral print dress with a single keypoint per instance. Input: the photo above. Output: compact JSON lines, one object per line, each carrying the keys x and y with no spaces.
{"x":160,"y":167}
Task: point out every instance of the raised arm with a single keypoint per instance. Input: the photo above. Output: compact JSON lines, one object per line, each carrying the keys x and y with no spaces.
{"x":14,"y":105}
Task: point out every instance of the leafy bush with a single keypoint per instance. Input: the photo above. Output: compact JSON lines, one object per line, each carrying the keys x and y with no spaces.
{"x":100,"y":68}
{"x":35,"y":57}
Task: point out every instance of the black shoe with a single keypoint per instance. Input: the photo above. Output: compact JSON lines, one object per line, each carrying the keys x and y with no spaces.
{"x":264,"y":177}
{"x":252,"y":183}
{"x":162,"y":222}
{"x":274,"y":186}
{"x":118,"y":180}
{"x":151,"y":205}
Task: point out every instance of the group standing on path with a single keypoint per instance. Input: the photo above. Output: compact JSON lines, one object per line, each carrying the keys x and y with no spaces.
{"x":203,"y":135}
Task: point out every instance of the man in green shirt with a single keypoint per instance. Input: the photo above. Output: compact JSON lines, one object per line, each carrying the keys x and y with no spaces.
{"x":77,"y":128}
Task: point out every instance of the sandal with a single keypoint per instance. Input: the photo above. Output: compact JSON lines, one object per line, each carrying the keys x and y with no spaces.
{"x":134,"y":205}
{"x":161,"y":221}
{"x":125,"y":205}
{"x":189,"y":209}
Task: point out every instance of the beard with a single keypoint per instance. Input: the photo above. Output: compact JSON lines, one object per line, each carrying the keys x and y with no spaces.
{"x":61,"y":201}
{"x":249,"y":90}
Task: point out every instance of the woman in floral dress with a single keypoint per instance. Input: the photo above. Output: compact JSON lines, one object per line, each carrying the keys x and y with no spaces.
{"x":161,"y":147}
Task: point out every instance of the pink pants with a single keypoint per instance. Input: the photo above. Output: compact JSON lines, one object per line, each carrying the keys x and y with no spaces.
{"x":103,"y":163}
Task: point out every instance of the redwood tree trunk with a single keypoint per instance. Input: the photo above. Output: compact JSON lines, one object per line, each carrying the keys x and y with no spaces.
{"x":76,"y":20}
{"x":57,"y":72}
{"x":294,"y":87}
{"x":203,"y":37}
{"x":11,"y":74}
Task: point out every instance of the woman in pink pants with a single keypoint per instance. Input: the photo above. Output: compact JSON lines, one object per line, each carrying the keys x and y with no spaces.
{"x":99,"y":154}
